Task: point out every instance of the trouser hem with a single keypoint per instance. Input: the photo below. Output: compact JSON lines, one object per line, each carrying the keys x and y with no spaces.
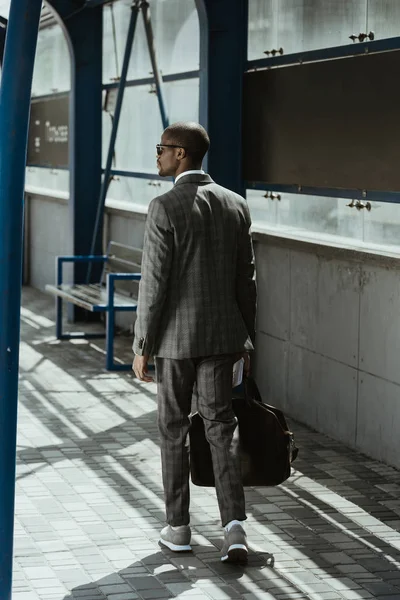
{"x":178,"y":522}
{"x":233,"y":518}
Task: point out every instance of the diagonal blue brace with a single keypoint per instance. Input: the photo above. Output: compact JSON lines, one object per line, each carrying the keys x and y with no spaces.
{"x":15,"y":95}
{"x":114,"y":131}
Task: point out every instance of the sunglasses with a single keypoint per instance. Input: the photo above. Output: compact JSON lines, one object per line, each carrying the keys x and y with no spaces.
{"x":159,"y":147}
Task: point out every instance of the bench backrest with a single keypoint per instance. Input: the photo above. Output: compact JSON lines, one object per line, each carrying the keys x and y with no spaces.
{"x":123,"y":259}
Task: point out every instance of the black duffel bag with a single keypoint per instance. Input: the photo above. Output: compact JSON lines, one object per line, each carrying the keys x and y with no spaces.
{"x":266,"y":445}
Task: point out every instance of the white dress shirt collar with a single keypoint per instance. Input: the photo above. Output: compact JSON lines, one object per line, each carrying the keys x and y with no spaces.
{"x":193,"y":172}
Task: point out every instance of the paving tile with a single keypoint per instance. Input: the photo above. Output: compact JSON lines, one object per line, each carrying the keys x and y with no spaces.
{"x":337,"y":558}
{"x":127,"y":596}
{"x":89,"y":502}
{"x":355,"y":594}
{"x":326,"y":596}
{"x":381,"y":588}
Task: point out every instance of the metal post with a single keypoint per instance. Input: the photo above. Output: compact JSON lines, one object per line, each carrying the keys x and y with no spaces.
{"x":203,"y":91}
{"x":223,"y":55}
{"x":84,"y":29}
{"x":15,"y":94}
{"x":114,"y":131}
{"x":152,"y":51}
{"x":110,"y":317}
{"x":59,"y":306}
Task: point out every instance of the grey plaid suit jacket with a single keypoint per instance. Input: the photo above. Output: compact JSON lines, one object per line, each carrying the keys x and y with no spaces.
{"x":197,"y":294}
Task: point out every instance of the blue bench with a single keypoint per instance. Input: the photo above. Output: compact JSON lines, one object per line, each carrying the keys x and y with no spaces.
{"x":116,"y":291}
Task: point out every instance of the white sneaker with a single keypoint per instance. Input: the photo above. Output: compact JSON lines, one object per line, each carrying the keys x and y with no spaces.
{"x":177,"y":539}
{"x":235,"y":549}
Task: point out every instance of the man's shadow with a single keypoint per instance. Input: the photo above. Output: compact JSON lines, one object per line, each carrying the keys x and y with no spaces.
{"x":167,"y":574}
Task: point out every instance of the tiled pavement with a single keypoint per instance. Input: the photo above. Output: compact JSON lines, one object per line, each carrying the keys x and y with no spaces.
{"x":89,"y":498}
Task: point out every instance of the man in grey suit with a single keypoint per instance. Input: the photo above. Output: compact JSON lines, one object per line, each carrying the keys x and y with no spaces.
{"x":196,"y":315}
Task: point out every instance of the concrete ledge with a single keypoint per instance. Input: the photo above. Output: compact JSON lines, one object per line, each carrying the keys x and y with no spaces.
{"x":331,"y":246}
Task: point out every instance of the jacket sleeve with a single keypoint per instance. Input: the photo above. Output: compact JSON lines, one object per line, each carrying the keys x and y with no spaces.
{"x":156,"y":265}
{"x":246,"y":291}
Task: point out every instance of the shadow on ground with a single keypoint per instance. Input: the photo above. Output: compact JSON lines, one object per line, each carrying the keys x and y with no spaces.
{"x":330,"y":532}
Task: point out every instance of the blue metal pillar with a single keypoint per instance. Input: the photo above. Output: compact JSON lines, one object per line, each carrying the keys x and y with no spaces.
{"x":85,"y":30}
{"x":15,"y":94}
{"x":223,"y":55}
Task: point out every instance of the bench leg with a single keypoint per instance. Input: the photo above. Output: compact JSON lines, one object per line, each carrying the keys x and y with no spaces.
{"x":70,"y":336}
{"x":58,"y":318}
{"x":110,"y":321}
{"x":111,"y":365}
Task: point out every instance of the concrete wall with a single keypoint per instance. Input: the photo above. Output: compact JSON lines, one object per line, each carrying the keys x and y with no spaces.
{"x":328,"y":326}
{"x":46,"y":236}
{"x":125,"y":227}
{"x":328,"y":330}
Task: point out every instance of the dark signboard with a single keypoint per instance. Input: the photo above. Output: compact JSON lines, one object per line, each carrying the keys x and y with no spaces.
{"x":332,"y":124}
{"x":48,"y":132}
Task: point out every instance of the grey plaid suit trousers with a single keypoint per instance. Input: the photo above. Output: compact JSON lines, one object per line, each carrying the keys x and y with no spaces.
{"x":212,"y":378}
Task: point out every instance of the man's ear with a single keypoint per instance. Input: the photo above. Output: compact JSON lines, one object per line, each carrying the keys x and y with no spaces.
{"x":181,"y":153}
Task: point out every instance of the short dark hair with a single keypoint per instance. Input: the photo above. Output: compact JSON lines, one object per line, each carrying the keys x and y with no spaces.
{"x":191,"y":136}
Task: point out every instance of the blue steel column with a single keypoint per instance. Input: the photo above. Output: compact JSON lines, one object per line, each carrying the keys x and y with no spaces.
{"x":85,"y":30}
{"x":223,"y":55}
{"x":15,"y":96}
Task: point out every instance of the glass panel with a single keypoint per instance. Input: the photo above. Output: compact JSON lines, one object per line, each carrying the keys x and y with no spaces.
{"x":311,"y":24}
{"x":176,"y":33}
{"x":327,"y":219}
{"x":136,"y":191}
{"x":138,"y":132}
{"x":302,"y":25}
{"x":5,"y":8}
{"x":382,"y":224}
{"x":47,"y":179}
{"x":262,"y":210}
{"x":140,"y":126}
{"x":319,"y":214}
{"x":52,"y":72}
{"x":384,"y":18}
{"x":263,"y":27}
{"x":301,"y":214}
{"x":113,"y":50}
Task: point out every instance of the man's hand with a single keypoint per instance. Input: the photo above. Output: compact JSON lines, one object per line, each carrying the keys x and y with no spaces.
{"x":246,"y":366}
{"x":139,"y":367}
